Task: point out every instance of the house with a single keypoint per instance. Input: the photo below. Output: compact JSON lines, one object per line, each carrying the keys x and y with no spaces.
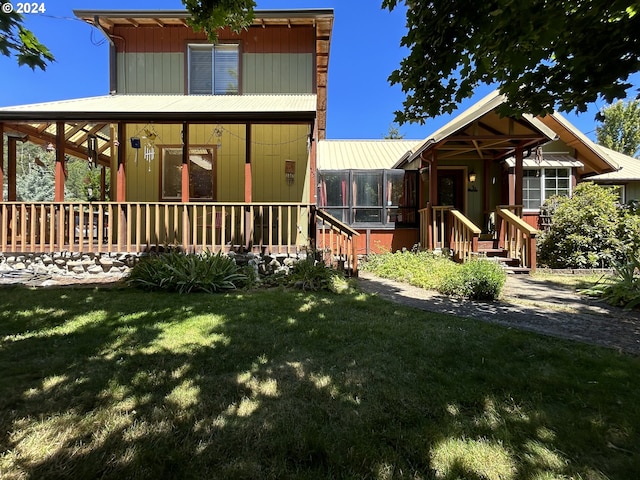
{"x":222,"y":147}
{"x":209,"y":146}
{"x":474,"y":186}
{"x":626,"y":180}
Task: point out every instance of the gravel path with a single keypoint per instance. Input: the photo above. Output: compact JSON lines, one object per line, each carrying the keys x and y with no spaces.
{"x":541,"y":307}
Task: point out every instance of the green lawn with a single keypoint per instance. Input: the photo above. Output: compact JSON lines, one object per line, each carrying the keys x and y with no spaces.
{"x":117,"y":383}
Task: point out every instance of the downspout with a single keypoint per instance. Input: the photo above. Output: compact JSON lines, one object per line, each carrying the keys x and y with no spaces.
{"x":113,"y":71}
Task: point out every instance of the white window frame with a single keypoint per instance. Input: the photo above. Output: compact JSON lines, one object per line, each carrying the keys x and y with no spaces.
{"x":213,"y":48}
{"x":543,"y":189}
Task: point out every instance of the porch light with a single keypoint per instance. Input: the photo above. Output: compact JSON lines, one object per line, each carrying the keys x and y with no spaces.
{"x":472,"y":176}
{"x":50,"y":147}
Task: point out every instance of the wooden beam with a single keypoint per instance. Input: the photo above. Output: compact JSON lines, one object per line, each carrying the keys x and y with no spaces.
{"x":58,"y":195}
{"x":433,"y":180}
{"x":121,"y":182}
{"x":1,"y":162}
{"x":248,"y":180}
{"x":11,"y":169}
{"x":185,"y":163}
{"x":519,"y":176}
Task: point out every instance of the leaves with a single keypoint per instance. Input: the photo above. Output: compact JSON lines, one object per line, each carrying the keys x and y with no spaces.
{"x":620,"y":127}
{"x":17,"y":40}
{"x":212,"y":15}
{"x":543,"y":54}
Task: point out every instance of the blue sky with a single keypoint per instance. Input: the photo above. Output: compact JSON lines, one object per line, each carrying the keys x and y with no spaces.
{"x":365,"y":49}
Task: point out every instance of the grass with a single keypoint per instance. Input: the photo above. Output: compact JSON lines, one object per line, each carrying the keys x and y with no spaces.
{"x":288,"y":384}
{"x":573,"y":281}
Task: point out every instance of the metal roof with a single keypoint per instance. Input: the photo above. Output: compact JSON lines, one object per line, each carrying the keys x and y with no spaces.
{"x":549,"y":160}
{"x":361,"y":154}
{"x":168,"y":108}
{"x":629,"y":168}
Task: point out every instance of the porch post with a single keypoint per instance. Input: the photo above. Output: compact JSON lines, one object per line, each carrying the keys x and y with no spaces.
{"x":519,"y":174}
{"x":185,"y":187}
{"x":1,"y":162}
{"x":121,"y":181}
{"x":58,"y":195}
{"x":103,"y":183}
{"x":11,"y":169}
{"x":248,"y":187}
{"x":433,"y":199}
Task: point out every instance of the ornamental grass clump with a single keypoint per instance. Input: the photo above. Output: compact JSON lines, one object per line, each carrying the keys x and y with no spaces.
{"x":313,"y":275}
{"x":184,"y":273}
{"x":623,"y":289}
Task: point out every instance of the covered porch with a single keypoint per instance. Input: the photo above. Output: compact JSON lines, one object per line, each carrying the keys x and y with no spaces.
{"x":472,"y":199}
{"x":216,"y":173}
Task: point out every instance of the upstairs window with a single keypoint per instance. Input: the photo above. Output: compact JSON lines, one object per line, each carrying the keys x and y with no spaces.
{"x":213,"y":69}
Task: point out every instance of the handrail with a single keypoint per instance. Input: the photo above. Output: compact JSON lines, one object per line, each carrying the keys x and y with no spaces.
{"x":517,"y":237}
{"x":339,"y":242}
{"x":464,"y":237}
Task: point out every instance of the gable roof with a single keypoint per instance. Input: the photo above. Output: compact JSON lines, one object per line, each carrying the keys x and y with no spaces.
{"x":629,"y":168}
{"x":596,"y":159}
{"x":361,"y":154}
{"x":168,"y":108}
{"x":481,"y":133}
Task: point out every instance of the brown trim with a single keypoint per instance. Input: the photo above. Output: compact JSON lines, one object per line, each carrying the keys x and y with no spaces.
{"x":11,"y":169}
{"x":60,"y":163}
{"x":519,"y":176}
{"x":185,"y":163}
{"x":248,"y":179}
{"x":1,"y":162}
{"x":121,"y":182}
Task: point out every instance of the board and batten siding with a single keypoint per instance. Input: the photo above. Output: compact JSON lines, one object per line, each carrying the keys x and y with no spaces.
{"x":276,"y":59}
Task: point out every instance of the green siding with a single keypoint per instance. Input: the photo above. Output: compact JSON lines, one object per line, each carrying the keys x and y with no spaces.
{"x":632,"y":191}
{"x":160,"y":73}
{"x":277,"y":73}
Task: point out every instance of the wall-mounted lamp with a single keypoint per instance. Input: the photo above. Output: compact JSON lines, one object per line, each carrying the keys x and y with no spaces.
{"x":472,"y":181}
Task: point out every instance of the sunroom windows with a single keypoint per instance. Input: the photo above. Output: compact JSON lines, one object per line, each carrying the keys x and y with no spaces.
{"x":213,"y":69}
{"x":540,"y":184}
{"x":370,"y":198}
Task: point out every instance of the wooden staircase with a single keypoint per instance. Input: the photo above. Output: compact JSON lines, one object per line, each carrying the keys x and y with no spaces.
{"x":490,"y":250}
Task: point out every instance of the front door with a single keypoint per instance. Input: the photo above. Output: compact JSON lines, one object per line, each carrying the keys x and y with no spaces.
{"x":451,"y":188}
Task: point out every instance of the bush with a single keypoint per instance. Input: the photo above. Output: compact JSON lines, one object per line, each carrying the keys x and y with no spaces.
{"x":310,"y":274}
{"x":479,"y":279}
{"x":584,"y":230}
{"x":184,"y":273}
{"x":476,"y":280}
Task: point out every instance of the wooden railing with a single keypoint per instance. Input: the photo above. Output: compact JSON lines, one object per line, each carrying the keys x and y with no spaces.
{"x":446,"y":227}
{"x":140,"y":226}
{"x":464,"y":237}
{"x":516,"y":236}
{"x":337,"y":241}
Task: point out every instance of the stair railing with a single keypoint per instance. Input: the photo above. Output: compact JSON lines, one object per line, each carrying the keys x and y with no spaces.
{"x":338,"y":241}
{"x":516,"y":236}
{"x":464,"y":237}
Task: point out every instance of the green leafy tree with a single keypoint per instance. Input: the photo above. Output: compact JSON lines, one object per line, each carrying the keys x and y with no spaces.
{"x":35,"y":185}
{"x":543,"y":53}
{"x":620,"y":127}
{"x":20,"y":42}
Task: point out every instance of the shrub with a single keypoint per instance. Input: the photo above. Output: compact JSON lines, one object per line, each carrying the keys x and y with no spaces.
{"x":476,"y":280}
{"x":584,"y":230}
{"x":479,"y":279}
{"x":311,"y":274}
{"x":184,"y":273}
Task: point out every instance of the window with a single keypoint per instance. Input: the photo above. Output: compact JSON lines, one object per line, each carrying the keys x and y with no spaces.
{"x":201,"y":173}
{"x":370,"y":198}
{"x":213,"y":69}
{"x":541,"y":184}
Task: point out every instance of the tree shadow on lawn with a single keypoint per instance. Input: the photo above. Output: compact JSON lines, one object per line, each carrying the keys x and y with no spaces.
{"x":294,"y":385}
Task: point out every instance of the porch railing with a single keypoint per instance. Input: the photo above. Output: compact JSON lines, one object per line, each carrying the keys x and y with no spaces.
{"x":338,"y":241}
{"x":446,"y":227}
{"x":134,"y":227}
{"x":516,"y":236}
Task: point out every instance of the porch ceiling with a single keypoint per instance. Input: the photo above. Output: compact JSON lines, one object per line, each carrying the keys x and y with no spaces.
{"x":480,"y":133}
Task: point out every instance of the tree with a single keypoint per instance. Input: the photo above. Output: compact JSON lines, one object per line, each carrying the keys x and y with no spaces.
{"x":393,"y":133}
{"x":620,"y":127}
{"x":17,"y":40}
{"x":543,"y":53}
